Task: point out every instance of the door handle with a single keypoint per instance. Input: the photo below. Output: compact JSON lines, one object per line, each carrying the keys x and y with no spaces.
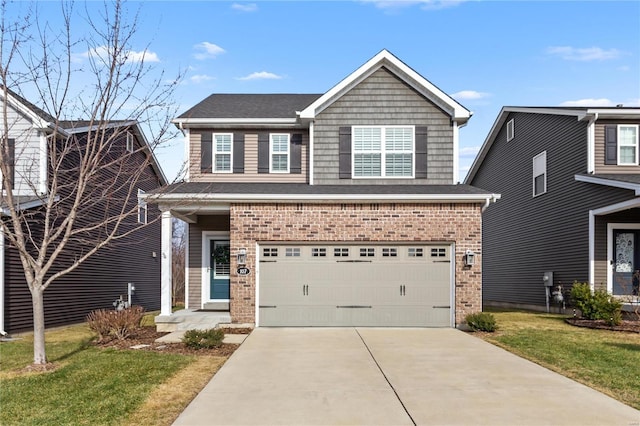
{"x":305,"y":290}
{"x":403,"y":290}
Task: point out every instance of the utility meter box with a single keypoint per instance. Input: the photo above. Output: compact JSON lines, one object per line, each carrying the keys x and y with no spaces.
{"x":547,"y":279}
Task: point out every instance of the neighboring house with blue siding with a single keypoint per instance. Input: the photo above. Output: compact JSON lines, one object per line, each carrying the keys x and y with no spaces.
{"x":570,"y":185}
{"x":334,"y":209}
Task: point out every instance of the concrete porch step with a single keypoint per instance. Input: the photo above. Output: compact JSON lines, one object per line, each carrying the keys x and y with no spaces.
{"x":176,"y":337}
{"x":189,"y":319}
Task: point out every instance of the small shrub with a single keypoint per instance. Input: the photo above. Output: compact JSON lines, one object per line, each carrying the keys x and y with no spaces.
{"x":118,"y":324}
{"x":598,"y":305}
{"x":203,"y":339}
{"x":482,"y":321}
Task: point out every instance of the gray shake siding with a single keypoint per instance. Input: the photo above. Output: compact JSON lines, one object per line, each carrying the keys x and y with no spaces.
{"x":382,"y":99}
{"x":524,"y":236}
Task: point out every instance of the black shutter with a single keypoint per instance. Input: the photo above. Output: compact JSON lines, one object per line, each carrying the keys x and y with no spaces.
{"x":421,"y":153}
{"x":611,"y":145}
{"x":206,"y":153}
{"x":238,"y":153}
{"x":344,"y":160}
{"x":295,"y":163}
{"x":11,"y":144}
{"x":263,"y":152}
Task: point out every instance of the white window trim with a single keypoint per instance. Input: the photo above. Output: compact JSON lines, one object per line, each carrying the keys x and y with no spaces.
{"x":619,"y":145}
{"x":510,"y":130}
{"x":383,"y":152}
{"x":214,"y":152}
{"x":271,"y":153}
{"x":542,"y":154}
{"x":142,"y":206}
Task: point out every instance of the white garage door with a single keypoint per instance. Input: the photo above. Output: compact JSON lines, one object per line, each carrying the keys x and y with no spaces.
{"x":355,"y":285}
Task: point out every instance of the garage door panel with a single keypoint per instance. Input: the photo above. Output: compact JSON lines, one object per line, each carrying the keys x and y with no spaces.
{"x":400,"y":288}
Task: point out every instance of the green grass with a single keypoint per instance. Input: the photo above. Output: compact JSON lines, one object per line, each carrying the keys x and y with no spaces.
{"x":91,"y":386}
{"x":604,"y":360}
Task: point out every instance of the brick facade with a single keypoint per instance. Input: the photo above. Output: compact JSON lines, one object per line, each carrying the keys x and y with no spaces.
{"x":251,"y":224}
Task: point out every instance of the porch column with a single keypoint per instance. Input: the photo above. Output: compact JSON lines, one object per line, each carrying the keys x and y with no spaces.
{"x":166,"y":236}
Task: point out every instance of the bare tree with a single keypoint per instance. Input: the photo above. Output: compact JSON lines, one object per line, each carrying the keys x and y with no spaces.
{"x":103,"y":80}
{"x":178,"y":259}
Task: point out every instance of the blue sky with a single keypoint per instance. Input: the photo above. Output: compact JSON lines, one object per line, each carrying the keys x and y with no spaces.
{"x":486,"y":54}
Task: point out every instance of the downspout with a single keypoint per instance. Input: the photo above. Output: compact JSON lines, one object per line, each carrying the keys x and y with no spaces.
{"x":311,"y":153}
{"x":488,"y":201}
{"x":592,"y":250}
{"x":456,"y":151}
{"x":2,"y":332}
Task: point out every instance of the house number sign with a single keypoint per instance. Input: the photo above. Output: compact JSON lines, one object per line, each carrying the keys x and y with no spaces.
{"x":243,"y":270}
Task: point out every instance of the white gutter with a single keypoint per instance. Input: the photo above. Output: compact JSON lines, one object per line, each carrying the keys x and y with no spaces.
{"x":319,"y":198}
{"x":2,"y":332}
{"x":240,"y":121}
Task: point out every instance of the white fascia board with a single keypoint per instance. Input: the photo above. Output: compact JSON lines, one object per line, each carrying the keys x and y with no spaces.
{"x":622,"y":113}
{"x":208,"y":122}
{"x":102,"y":125}
{"x":320,"y":198}
{"x":607,"y":182}
{"x":37,"y":121}
{"x":415,"y":80}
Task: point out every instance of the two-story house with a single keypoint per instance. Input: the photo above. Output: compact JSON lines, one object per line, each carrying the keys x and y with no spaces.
{"x":334,"y":209}
{"x":105,"y":276}
{"x":570,"y":207}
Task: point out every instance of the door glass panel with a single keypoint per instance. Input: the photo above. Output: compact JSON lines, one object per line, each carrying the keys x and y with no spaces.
{"x":221,"y":258}
{"x":624,"y":262}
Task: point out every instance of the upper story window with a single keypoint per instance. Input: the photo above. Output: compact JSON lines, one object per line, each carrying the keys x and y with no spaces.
{"x":222,"y":151}
{"x":510,"y":130}
{"x":279,"y":153}
{"x":130,"y":143}
{"x":383,"y":151}
{"x":540,"y":174}
{"x":628,"y":145}
{"x":142,"y":208}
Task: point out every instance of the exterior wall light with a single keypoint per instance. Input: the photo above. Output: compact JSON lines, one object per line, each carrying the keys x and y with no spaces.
{"x":469,"y":258}
{"x":242,"y":257}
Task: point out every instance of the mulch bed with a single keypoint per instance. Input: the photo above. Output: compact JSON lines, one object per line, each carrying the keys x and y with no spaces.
{"x":626,"y":325}
{"x":147,"y":336}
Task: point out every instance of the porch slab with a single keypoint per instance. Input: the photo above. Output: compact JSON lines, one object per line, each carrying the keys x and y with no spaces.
{"x":176,"y":337}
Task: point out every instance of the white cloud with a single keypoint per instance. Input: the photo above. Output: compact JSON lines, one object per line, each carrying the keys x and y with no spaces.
{"x":469,"y":151}
{"x":589,"y":102}
{"x":206,"y":50}
{"x":584,"y":54}
{"x":470,"y":95}
{"x":102,"y":53}
{"x":200,"y":78}
{"x":424,"y":4}
{"x":262,"y":75}
{"x":245,"y":7}
{"x":633,"y":102}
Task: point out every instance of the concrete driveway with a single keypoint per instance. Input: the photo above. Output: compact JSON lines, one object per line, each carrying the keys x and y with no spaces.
{"x":375,"y":376}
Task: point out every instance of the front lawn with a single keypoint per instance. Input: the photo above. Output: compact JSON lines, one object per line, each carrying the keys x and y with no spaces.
{"x":604,"y":360}
{"x":96,"y":386}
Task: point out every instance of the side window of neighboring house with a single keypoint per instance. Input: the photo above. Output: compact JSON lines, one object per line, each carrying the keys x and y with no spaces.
{"x":540,"y":174}
{"x":279,"y":153}
{"x":11,"y":163}
{"x":510,"y":130}
{"x":383,"y":151}
{"x":130,"y":142}
{"x":222,"y":152}
{"x":142,"y":208}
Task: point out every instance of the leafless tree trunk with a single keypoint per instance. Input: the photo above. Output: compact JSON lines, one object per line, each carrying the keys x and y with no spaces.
{"x":105,"y":82}
{"x":178,"y":257}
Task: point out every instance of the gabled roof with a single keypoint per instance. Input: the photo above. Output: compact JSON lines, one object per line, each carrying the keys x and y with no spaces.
{"x":581,"y":113}
{"x":403,"y":71}
{"x":38,"y":116}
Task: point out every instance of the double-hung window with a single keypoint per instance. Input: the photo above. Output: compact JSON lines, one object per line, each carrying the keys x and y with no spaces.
{"x":222,"y":151}
{"x":540,"y":174}
{"x":142,"y":207}
{"x":279,"y":152}
{"x":383,"y":151}
{"x":628,"y":145}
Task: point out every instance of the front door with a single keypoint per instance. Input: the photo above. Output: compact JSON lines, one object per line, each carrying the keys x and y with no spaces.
{"x":219,"y":270}
{"x":626,"y":262}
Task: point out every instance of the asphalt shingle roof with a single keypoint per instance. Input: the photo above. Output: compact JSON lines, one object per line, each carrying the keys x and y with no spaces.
{"x":250,"y":106}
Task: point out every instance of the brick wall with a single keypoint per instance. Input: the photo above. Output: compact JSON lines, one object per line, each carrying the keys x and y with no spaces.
{"x":457,"y":223}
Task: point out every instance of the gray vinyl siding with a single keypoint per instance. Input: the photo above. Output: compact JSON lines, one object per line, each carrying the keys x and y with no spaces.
{"x":600,"y":166}
{"x":524,"y":236}
{"x":383,"y":99}
{"x":99,"y":280}
{"x":204,"y":223}
{"x":27,"y":152}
